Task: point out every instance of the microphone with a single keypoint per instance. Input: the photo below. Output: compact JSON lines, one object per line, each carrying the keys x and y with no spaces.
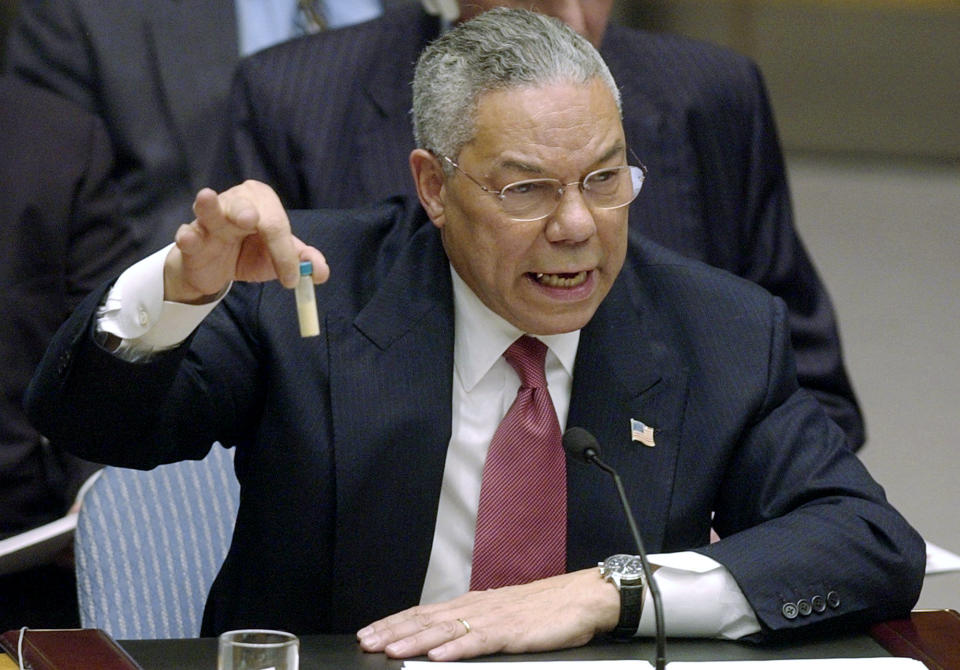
{"x":580,"y":445}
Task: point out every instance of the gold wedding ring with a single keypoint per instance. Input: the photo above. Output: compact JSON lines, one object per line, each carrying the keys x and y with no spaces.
{"x":465,"y":624}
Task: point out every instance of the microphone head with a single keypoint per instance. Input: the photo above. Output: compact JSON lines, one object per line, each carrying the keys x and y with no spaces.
{"x":579,"y":444}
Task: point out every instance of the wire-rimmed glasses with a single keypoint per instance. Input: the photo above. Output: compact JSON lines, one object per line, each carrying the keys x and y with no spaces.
{"x":532,"y":199}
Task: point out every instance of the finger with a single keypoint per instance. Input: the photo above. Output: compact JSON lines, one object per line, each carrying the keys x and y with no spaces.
{"x":437,"y":635}
{"x":282,"y":252}
{"x":273,"y":227}
{"x":379,"y":634}
{"x":409,"y":622}
{"x":241,"y":216}
{"x":189,"y":237}
{"x":466,"y":646}
{"x":226,"y":218}
{"x":321,"y":271}
{"x":207,"y":208}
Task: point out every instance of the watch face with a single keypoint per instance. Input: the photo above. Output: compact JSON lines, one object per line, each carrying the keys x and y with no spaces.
{"x":627,"y":566}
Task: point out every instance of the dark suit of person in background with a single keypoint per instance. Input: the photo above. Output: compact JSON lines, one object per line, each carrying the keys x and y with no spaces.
{"x":342,"y":439}
{"x":325,"y":120}
{"x":59,"y":240}
{"x":158,"y":74}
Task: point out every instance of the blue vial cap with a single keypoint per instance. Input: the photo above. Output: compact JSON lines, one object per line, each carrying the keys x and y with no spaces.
{"x":306,"y":268}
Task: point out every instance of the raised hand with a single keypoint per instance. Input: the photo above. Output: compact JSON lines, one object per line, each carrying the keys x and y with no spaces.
{"x":241,"y":234}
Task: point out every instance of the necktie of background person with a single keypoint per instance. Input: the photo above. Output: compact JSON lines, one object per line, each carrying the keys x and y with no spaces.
{"x":310,"y":18}
{"x":521,"y":533}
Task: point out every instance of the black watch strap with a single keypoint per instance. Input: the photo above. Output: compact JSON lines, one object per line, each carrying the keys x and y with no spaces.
{"x":631,"y":607}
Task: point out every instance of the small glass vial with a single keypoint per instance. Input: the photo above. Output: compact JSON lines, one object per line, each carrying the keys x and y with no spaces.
{"x":307,"y":302}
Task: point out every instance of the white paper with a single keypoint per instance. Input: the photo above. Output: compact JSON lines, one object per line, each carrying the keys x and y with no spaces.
{"x":886,"y":663}
{"x":940,"y":560}
{"x":37,"y":545}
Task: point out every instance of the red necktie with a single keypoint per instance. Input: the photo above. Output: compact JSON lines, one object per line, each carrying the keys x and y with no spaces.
{"x":522,"y":519}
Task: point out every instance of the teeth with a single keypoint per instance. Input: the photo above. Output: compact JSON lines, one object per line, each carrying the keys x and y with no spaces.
{"x":561,"y":281}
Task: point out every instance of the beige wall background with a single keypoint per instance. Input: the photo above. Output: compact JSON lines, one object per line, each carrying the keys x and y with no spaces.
{"x":863,"y":77}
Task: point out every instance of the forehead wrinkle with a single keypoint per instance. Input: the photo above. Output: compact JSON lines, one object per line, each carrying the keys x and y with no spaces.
{"x":617,"y":148}
{"x":522,"y":166}
{"x":512,"y":164}
{"x":539,"y":130}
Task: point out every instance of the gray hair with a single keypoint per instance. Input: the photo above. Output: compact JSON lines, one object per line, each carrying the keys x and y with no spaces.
{"x":501,"y":48}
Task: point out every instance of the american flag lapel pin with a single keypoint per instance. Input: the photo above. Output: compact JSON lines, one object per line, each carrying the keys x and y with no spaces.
{"x":642,"y":433}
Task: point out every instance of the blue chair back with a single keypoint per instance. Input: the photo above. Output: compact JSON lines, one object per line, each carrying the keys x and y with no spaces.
{"x":148,"y":545}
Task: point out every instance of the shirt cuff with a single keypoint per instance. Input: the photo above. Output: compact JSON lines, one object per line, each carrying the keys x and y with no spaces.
{"x":135,"y":312}
{"x":700,"y":599}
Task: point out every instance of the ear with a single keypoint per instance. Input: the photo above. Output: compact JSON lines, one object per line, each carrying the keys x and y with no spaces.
{"x":428,"y":178}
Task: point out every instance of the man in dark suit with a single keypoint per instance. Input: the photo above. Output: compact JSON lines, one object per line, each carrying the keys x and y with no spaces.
{"x":158,"y":74}
{"x":361,"y":451}
{"x":59,"y":240}
{"x":325,"y":121}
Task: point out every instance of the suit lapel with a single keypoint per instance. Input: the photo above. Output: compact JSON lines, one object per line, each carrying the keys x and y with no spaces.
{"x":195,"y":46}
{"x":384,"y":431}
{"x":383,"y":105}
{"x":625,"y":370}
{"x":388,"y":427}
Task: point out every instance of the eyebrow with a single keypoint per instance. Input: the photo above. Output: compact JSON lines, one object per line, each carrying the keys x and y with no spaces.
{"x":619,"y":147}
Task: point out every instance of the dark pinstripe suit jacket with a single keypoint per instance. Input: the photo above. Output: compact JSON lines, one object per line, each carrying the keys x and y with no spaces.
{"x":58,"y":241}
{"x":341,"y":438}
{"x":158,"y":73}
{"x":325,"y":120}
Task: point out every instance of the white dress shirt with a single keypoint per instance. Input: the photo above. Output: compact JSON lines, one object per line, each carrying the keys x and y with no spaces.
{"x":700,"y":597}
{"x":263,"y":23}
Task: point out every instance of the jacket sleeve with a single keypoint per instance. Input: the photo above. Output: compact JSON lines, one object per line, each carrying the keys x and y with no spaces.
{"x":142,"y":414}
{"x":807,"y":533}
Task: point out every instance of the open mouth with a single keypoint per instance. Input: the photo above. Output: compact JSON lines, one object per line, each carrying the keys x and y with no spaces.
{"x":561,"y":280}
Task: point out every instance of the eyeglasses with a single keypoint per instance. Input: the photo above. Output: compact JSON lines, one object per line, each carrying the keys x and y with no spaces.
{"x":532,"y":199}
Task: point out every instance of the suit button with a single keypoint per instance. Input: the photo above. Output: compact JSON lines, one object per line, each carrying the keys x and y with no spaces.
{"x":804,"y":607}
{"x":833,"y":599}
{"x":789,"y":610}
{"x":819,"y":603}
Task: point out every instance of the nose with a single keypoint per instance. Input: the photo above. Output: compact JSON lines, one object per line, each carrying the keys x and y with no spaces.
{"x":572,"y":221}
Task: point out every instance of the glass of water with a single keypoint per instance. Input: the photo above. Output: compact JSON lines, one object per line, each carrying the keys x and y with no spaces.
{"x":258,"y":650}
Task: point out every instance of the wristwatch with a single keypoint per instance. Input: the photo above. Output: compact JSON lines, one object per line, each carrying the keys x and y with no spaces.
{"x":626,"y":573}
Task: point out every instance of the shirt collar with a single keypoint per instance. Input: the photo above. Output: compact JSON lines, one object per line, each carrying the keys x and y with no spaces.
{"x":481,"y":336}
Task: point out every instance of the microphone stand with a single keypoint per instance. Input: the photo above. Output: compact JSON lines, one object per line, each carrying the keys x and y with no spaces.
{"x":590,"y":454}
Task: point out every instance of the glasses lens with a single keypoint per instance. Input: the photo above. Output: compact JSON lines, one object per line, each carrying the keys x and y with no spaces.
{"x":607,"y":188}
{"x":611,"y":187}
{"x":531,"y":199}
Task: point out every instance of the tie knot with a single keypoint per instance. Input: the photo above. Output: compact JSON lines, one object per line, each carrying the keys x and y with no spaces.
{"x":527,"y":356}
{"x":309,"y":18}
